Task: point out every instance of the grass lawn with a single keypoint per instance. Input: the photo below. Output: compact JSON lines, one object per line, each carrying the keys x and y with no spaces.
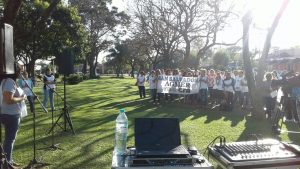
{"x":96,"y":104}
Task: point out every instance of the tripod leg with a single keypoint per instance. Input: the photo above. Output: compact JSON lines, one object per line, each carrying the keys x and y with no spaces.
{"x":69,"y":121}
{"x":56,"y":123}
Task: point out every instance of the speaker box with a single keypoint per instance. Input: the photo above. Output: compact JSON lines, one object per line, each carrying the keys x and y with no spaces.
{"x":7,"y":59}
{"x":66,"y":62}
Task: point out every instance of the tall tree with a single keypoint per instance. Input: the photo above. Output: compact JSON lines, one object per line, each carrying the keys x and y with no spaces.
{"x":36,"y":40}
{"x":247,"y":19}
{"x":199,"y":20}
{"x":267,"y":44}
{"x":152,"y":25}
{"x":117,"y":57}
{"x":100,"y":22}
{"x":175,"y":24}
{"x":137,"y":52}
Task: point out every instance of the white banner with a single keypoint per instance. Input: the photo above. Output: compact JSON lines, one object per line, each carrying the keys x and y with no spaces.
{"x":177,"y":85}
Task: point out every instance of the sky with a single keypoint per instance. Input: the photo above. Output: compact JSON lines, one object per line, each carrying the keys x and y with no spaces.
{"x":286,"y":35}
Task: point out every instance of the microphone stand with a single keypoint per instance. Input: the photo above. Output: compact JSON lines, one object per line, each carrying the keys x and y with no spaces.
{"x":34,"y":161}
{"x":53,"y":146}
{"x":65,"y":113}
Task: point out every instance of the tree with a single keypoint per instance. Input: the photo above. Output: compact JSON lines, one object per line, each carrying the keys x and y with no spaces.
{"x":137,"y":52}
{"x":174,"y":25}
{"x":267,"y":44}
{"x":100,"y":22}
{"x":35,"y":39}
{"x":11,"y":10}
{"x":221,"y":59}
{"x":117,"y":57}
{"x":198,"y":20}
{"x":247,"y":19}
{"x":151,"y":24}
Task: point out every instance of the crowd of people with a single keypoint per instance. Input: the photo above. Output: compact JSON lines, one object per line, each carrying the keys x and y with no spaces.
{"x":216,"y":87}
{"x":223,"y":89}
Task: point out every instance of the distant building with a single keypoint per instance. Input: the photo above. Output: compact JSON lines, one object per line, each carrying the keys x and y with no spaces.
{"x":286,"y":59}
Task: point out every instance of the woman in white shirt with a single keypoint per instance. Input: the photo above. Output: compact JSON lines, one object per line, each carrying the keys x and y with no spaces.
{"x":228,"y":84}
{"x":141,"y":84}
{"x":49,"y":86}
{"x":152,"y":85}
{"x":245,"y":92}
{"x":237,"y":87}
{"x":218,"y":88}
{"x":203,"y":87}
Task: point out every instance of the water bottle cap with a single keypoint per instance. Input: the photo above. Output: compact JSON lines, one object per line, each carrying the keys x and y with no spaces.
{"x":122,"y":110}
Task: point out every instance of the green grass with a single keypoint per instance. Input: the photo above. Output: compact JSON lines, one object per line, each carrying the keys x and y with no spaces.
{"x":96,"y":104}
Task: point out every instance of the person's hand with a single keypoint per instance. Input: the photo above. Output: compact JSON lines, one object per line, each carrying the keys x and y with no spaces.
{"x":24,"y":97}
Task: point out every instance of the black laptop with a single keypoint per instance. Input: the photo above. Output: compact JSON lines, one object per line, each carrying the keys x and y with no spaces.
{"x":158,"y":138}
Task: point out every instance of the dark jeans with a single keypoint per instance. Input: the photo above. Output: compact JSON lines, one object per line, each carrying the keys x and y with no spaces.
{"x":153,"y":94}
{"x":246,"y":99}
{"x":11,"y":124}
{"x":290,"y":108}
{"x":270,"y":105}
{"x":238,"y":97}
{"x":31,"y":102}
{"x":142,"y":91}
{"x":229,"y":101}
{"x":203,"y":96}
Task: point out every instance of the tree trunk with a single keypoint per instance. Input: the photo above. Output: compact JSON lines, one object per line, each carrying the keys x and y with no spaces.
{"x":132,"y":70}
{"x":30,"y":68}
{"x":11,"y":11}
{"x":257,"y":110}
{"x":199,"y":56}
{"x":92,"y":65}
{"x":84,"y":67}
{"x":187,"y":51}
{"x":267,"y":44}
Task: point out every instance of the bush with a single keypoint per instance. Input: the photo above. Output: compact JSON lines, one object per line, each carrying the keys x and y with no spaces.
{"x":85,"y":77}
{"x":74,"y":79}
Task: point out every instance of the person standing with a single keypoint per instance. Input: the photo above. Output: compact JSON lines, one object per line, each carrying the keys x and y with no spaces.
{"x":12,"y":100}
{"x":269,"y":93}
{"x":211,"y":81}
{"x":228,"y":84}
{"x":245,"y":92}
{"x":27,"y":85}
{"x":218,"y":87}
{"x":141,"y":84}
{"x":152,"y":80}
{"x":49,"y":86}
{"x":238,"y":87}
{"x":203,"y":87}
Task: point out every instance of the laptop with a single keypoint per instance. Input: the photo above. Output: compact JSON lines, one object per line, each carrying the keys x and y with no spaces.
{"x":158,"y":138}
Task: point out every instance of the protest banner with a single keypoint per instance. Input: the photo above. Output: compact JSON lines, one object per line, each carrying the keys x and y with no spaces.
{"x":177,"y":85}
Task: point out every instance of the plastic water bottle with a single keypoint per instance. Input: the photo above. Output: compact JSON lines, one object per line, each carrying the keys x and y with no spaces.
{"x":121,"y":133}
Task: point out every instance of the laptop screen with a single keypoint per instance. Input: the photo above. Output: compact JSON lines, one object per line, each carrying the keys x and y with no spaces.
{"x":156,"y":133}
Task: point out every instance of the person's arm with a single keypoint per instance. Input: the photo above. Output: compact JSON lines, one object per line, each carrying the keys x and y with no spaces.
{"x":9,"y":88}
{"x":9,"y":98}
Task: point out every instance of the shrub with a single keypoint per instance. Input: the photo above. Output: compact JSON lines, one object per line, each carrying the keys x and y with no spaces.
{"x":85,"y":77}
{"x":74,"y":79}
